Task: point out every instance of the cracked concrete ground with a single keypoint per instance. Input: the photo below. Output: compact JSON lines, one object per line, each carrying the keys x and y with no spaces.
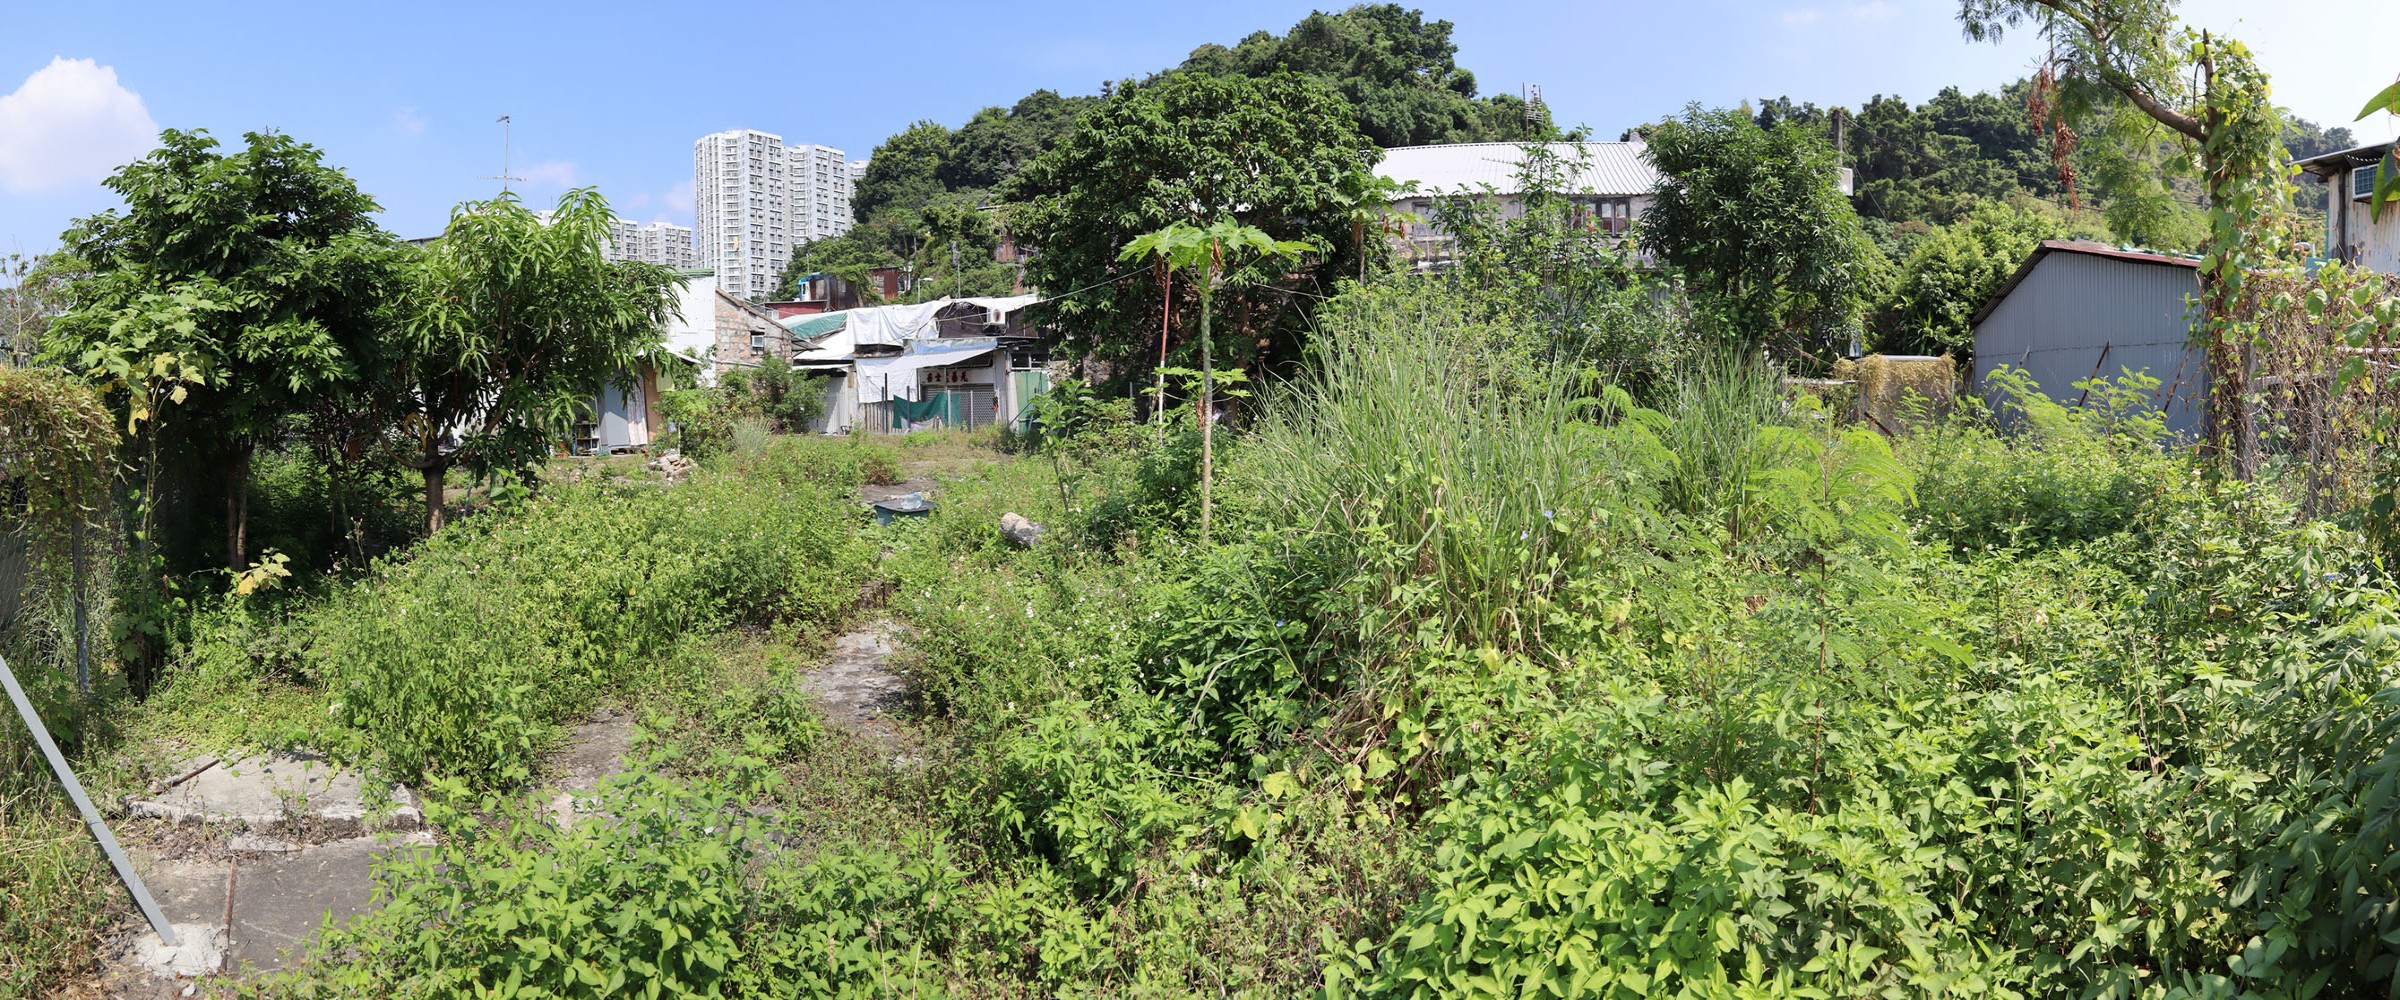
{"x":856,"y":686}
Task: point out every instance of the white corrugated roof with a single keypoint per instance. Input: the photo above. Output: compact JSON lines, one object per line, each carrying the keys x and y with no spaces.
{"x":1606,"y":168}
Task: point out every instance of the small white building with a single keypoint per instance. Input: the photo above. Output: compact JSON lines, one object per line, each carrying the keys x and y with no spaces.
{"x":2352,"y":235}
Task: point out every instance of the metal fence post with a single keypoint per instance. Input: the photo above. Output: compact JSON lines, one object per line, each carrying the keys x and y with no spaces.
{"x":83,"y":623}
{"x":91,"y":816}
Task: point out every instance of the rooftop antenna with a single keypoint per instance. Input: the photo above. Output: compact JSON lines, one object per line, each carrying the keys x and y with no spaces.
{"x":504,"y":177}
{"x":1533,"y":107}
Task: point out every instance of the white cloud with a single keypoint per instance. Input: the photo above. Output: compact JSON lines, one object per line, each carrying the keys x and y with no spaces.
{"x":1804,"y":15}
{"x":639,"y":199}
{"x":1873,"y":10}
{"x":559,"y":172}
{"x":408,"y":121}
{"x":71,"y":123}
{"x":679,"y":197}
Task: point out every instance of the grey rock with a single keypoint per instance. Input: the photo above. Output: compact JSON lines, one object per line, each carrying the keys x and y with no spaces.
{"x":1020,"y":531}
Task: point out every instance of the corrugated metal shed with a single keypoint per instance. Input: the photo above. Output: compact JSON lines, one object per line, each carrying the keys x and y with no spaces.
{"x":1602,"y":168}
{"x":2077,"y":309}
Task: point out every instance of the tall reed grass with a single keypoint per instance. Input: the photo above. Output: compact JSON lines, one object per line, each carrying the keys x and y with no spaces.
{"x":1457,"y":472}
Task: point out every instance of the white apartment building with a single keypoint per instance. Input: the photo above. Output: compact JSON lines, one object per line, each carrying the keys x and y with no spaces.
{"x":662,"y":243}
{"x":754,"y":197}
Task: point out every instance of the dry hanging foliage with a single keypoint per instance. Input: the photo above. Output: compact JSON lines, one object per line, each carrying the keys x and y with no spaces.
{"x":2323,"y":379}
{"x":56,"y":442}
{"x":1885,"y":385}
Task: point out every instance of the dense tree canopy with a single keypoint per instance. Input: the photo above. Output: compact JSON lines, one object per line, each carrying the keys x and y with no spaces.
{"x":1277,"y":154}
{"x":511,"y":325}
{"x":999,"y":142}
{"x":1932,"y":161}
{"x":902,"y":172}
{"x":1949,"y":275}
{"x":1756,"y":221}
{"x":1398,"y":71}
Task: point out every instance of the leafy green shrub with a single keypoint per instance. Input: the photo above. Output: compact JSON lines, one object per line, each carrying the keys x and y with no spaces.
{"x":702,"y":421}
{"x":2043,"y":473}
{"x":462,"y":659}
{"x":756,"y":703}
{"x":1079,"y":788}
{"x":839,"y":462}
{"x":643,"y":894}
{"x":856,"y":922}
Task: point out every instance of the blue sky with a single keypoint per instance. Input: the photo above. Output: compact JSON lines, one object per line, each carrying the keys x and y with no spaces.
{"x":403,"y":95}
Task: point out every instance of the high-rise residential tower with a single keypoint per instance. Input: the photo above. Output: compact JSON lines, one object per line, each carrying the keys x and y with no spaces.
{"x":663,"y":243}
{"x":754,"y":197}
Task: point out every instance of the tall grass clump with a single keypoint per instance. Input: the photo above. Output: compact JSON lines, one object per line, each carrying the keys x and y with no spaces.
{"x":1471,"y":464}
{"x":55,"y":895}
{"x":1716,"y":420}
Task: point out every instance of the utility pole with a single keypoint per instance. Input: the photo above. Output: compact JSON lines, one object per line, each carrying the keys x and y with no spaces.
{"x":955,"y":286}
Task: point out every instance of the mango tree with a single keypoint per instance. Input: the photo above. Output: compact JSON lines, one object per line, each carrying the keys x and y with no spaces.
{"x":279,"y":270}
{"x":511,"y":326}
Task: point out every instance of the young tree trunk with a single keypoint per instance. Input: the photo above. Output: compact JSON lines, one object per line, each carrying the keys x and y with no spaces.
{"x":434,"y":470}
{"x":1208,"y":413}
{"x":237,"y":507}
{"x":1166,"y":313}
{"x":2231,"y":429}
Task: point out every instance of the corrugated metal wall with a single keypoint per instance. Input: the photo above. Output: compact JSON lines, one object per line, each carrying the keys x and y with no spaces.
{"x":2080,"y":314}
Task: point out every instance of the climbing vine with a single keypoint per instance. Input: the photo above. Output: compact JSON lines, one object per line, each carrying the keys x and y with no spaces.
{"x":2241,"y":158}
{"x":57,"y":445}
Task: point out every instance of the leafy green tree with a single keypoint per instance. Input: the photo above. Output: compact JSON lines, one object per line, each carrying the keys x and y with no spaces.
{"x":1931,"y":162}
{"x":903,"y":172}
{"x":277,"y":274}
{"x":1756,"y":221}
{"x":1398,"y":71}
{"x":955,"y":245}
{"x":997,"y":143}
{"x":1279,"y":155}
{"x":1947,"y":276}
{"x":1562,"y":289}
{"x":31,"y":295}
{"x":510,"y":326}
{"x":850,"y":257}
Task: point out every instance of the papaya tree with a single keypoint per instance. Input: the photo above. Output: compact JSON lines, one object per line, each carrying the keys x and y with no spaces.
{"x":1215,"y":255}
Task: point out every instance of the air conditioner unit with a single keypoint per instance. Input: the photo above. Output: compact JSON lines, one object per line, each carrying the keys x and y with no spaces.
{"x":2362,"y":183}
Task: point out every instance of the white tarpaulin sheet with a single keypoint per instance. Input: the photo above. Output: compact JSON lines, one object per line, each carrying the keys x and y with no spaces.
{"x":999,"y":307}
{"x":893,"y":326}
{"x":882,"y":378}
{"x":831,"y":348}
